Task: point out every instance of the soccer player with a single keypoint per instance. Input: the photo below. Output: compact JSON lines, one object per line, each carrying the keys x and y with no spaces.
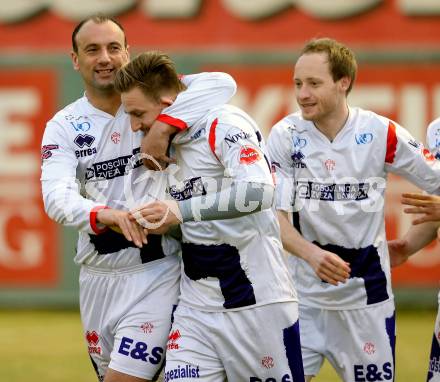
{"x":91,"y":177}
{"x":331,"y":162}
{"x":424,"y":230}
{"x":237,"y":313}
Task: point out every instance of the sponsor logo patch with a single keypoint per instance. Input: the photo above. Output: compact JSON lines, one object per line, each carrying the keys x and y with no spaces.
{"x":82,"y":140}
{"x":249,"y":155}
{"x":428,"y":155}
{"x":191,"y":187}
{"x":363,"y":138}
{"x":332,"y":192}
{"x":92,"y":338}
{"x":46,"y":151}
{"x":187,"y":371}
{"x":173,"y":337}
{"x":297,"y":159}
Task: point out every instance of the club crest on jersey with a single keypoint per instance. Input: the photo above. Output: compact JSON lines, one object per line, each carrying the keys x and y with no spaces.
{"x":363,"y":138}
{"x":330,"y":164}
{"x":173,"y":337}
{"x":369,"y":348}
{"x":82,"y":140}
{"x":297,"y":159}
{"x":92,"y":338}
{"x":267,"y":362}
{"x":249,"y":155}
{"x":147,"y":327}
{"x":116,"y":137}
{"x":46,"y":151}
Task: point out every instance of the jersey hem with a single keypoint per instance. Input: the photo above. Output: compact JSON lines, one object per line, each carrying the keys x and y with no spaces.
{"x":322,"y":307}
{"x":132,"y":269}
{"x":219,"y":310}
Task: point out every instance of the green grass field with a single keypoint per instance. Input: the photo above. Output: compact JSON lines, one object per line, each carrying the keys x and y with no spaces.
{"x":48,"y":346}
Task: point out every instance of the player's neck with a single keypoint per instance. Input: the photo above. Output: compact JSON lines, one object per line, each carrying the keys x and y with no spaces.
{"x":108,"y":102}
{"x":333,"y":123}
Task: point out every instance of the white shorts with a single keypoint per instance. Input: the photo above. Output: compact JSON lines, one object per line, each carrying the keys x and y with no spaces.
{"x":259,"y":344}
{"x":126,"y":316}
{"x":434,"y":358}
{"x":359,"y":343}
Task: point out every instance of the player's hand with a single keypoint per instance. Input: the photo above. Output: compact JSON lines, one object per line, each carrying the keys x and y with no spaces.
{"x":155,"y":145}
{"x":329,"y":267}
{"x":157,"y":216}
{"x":119,"y":220}
{"x":399,"y":251}
{"x":427,"y":205}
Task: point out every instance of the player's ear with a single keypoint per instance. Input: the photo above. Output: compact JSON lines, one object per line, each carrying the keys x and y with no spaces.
{"x":74,"y":57}
{"x":345,"y":83}
{"x":166,"y":101}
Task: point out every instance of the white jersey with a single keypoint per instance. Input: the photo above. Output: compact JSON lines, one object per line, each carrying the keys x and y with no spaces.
{"x":433,"y":137}
{"x":89,"y":159}
{"x":232,"y":263}
{"x":336,"y":193}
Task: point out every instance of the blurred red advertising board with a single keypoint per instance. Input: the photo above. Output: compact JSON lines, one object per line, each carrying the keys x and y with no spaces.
{"x":28,"y":239}
{"x":225,"y":24}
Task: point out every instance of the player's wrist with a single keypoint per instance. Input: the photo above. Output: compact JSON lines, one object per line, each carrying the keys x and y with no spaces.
{"x":96,"y":222}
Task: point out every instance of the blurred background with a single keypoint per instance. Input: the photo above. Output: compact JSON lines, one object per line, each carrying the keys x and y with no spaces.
{"x":397,"y":43}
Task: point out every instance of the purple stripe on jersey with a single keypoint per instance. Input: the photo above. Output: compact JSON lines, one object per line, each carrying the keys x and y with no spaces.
{"x":111,"y":242}
{"x":434,"y":359}
{"x":390,"y":325}
{"x":292,"y":344}
{"x":223,"y":262}
{"x":365,"y":264}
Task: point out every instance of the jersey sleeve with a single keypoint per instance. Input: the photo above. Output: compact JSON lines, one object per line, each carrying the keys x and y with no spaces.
{"x":62,"y":199}
{"x":409,"y":158}
{"x":433,"y":138}
{"x":204,"y":92}
{"x":239,"y":148}
{"x":282,"y":167}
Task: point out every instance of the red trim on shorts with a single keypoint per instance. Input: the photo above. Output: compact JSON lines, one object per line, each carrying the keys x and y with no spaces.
{"x":212,"y":137}
{"x":181,"y":125}
{"x":93,"y":223}
{"x":391,"y":143}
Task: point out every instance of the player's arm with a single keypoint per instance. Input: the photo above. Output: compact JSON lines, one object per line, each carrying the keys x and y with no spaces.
{"x":327,"y":265}
{"x":235,"y":201}
{"x":204,"y":92}
{"x":61,"y":190}
{"x":423,"y":231}
{"x":410,"y":159}
{"x":417,"y":237}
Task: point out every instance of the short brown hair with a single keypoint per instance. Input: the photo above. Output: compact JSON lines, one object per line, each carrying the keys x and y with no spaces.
{"x":152,"y":72}
{"x":97,"y":19}
{"x":342,"y":61}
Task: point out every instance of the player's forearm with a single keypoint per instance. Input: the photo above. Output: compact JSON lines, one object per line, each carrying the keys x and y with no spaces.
{"x":64,"y":204}
{"x":419,"y":236}
{"x":292,"y":240}
{"x":232,"y":202}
